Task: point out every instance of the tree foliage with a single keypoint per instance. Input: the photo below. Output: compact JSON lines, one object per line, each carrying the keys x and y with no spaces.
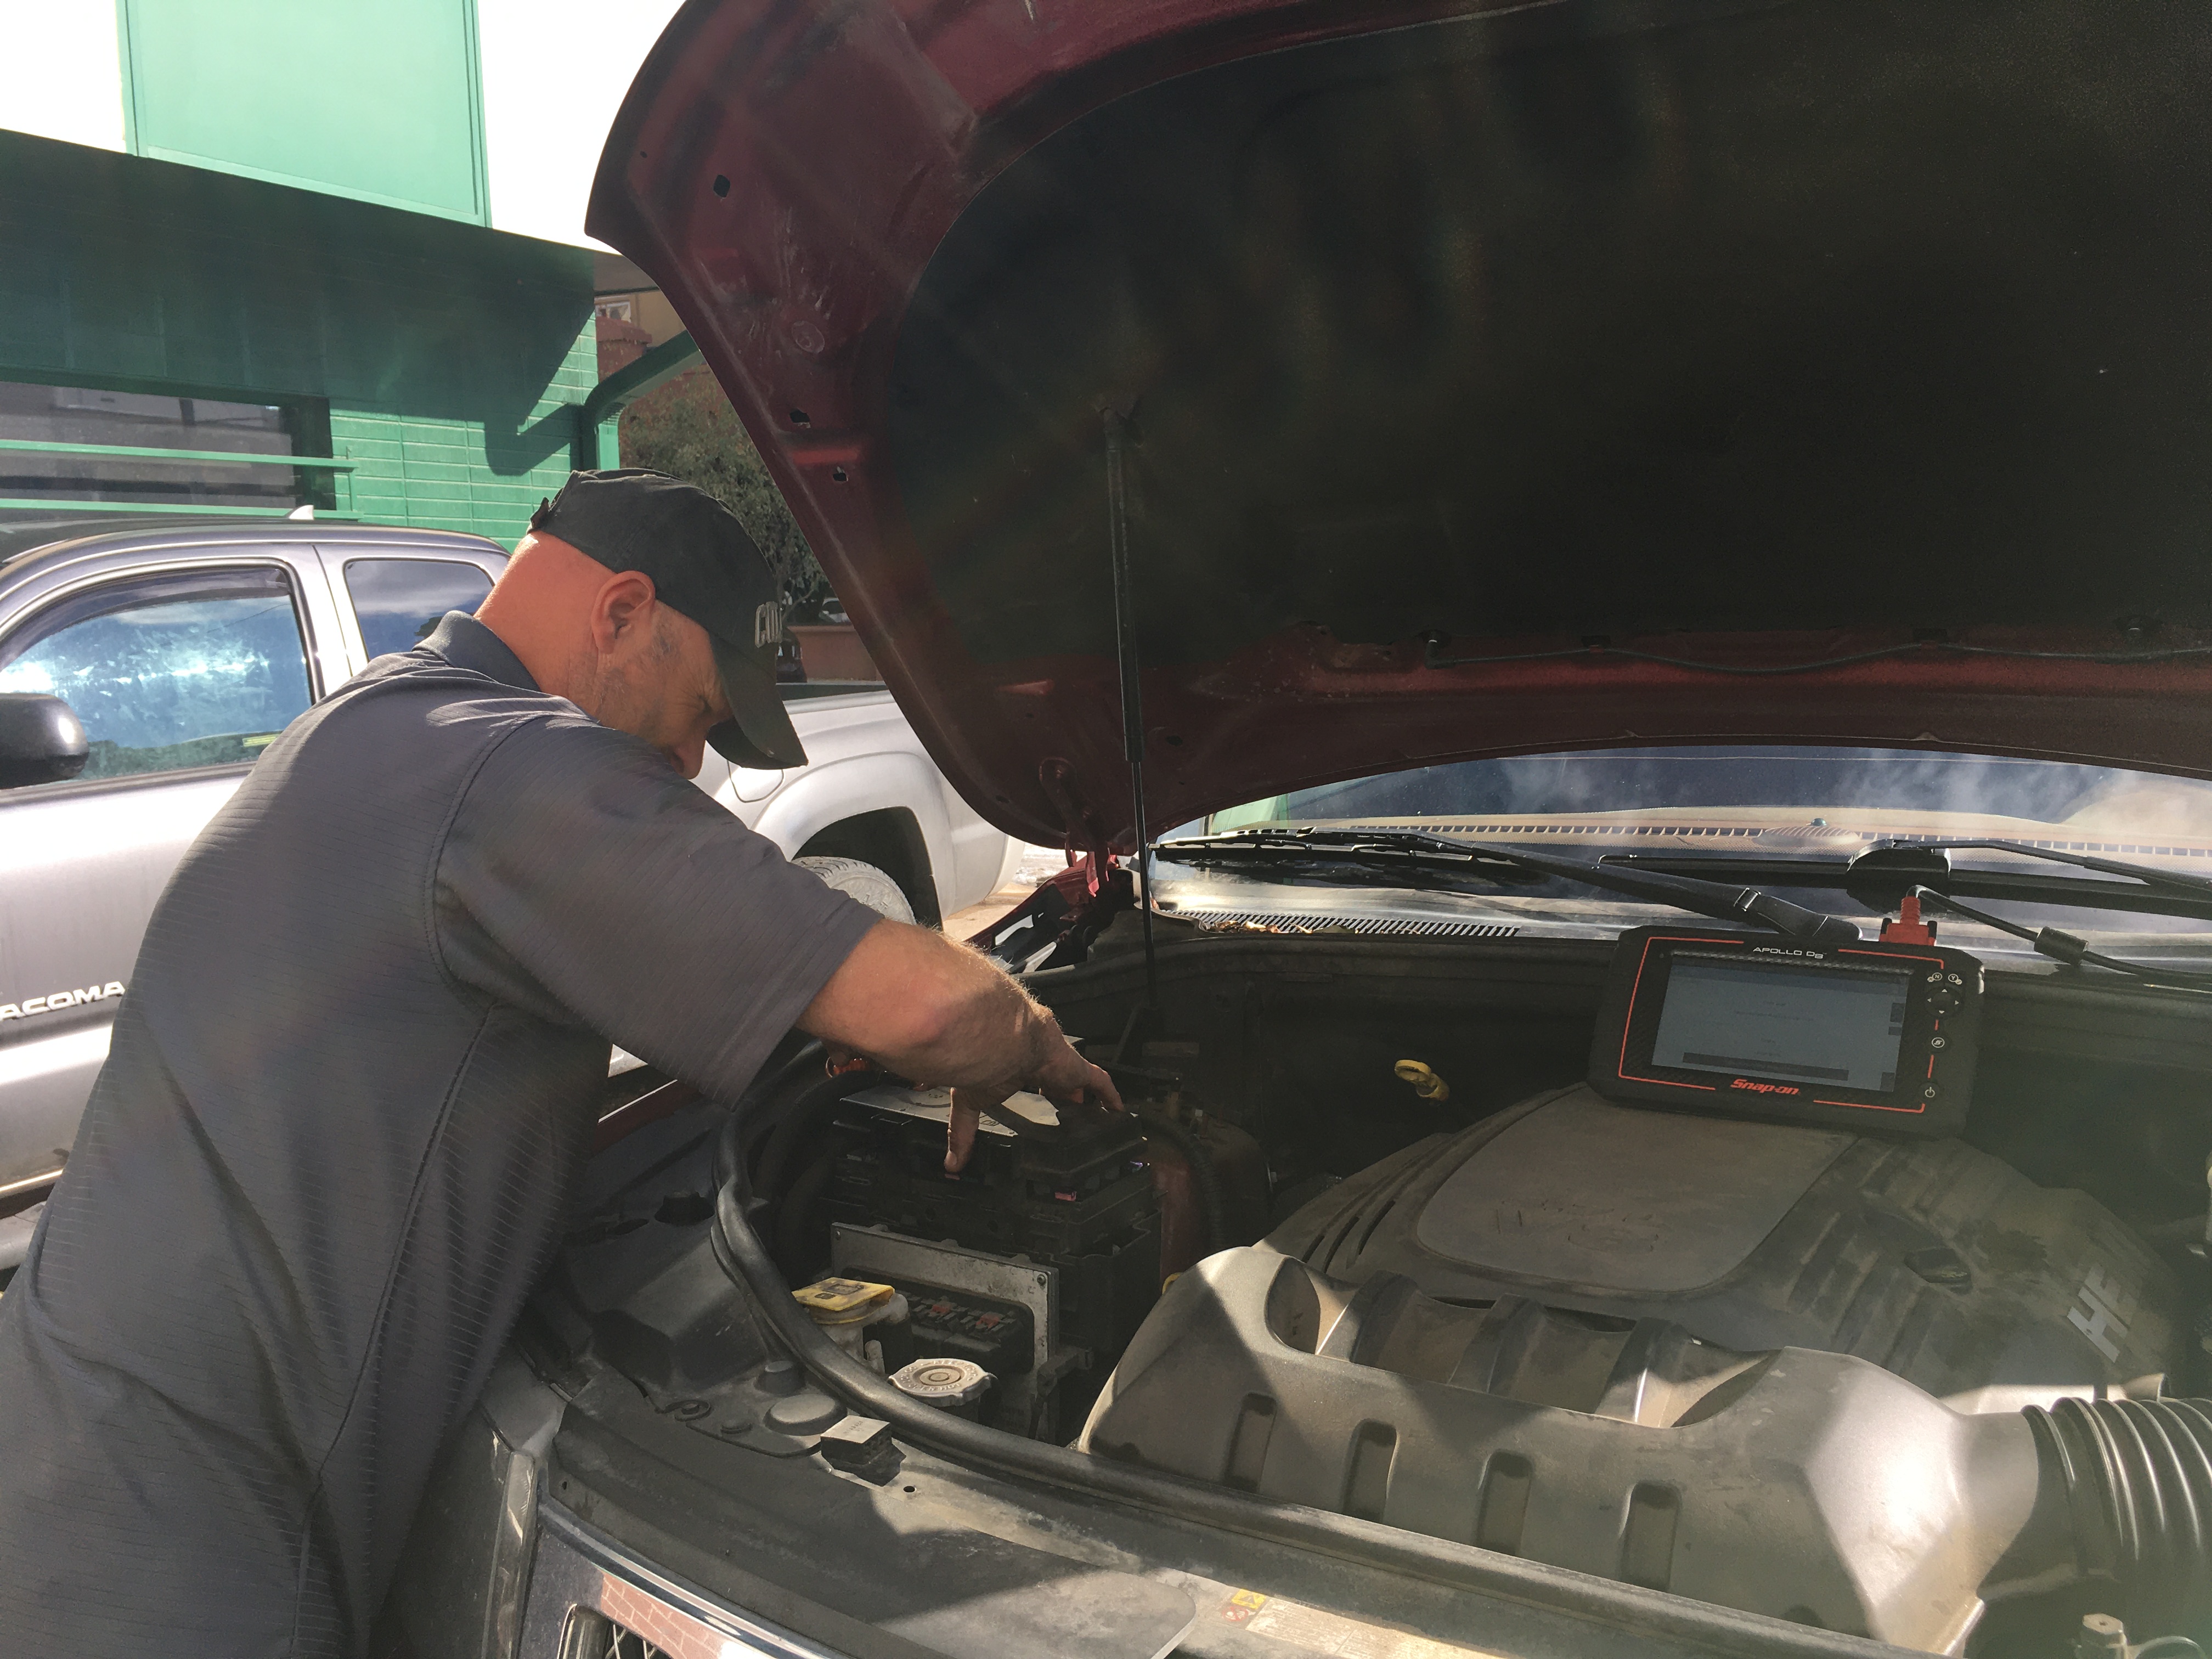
{"x":688,"y":430}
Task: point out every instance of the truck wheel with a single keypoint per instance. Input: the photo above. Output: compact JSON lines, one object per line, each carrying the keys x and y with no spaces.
{"x":863,"y":882}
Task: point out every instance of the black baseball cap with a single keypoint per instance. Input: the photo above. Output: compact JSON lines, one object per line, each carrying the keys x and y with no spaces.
{"x":703,"y":565}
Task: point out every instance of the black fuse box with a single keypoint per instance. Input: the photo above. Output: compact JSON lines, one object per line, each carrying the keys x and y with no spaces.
{"x":999,"y":1336}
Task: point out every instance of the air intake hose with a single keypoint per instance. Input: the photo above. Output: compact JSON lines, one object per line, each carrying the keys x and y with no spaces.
{"x":2135,"y":1476}
{"x":1205,"y":1179}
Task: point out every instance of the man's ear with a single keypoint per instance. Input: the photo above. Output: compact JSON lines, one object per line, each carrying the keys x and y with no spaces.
{"x":622,"y":606}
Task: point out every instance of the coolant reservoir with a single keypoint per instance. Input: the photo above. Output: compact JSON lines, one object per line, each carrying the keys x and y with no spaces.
{"x":867,"y":1320}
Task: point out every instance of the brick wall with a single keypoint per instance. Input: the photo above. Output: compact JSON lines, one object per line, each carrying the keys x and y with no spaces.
{"x":621,"y":344}
{"x":447,"y":354}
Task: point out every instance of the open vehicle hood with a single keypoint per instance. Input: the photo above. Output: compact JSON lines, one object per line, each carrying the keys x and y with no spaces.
{"x":1746,"y":336}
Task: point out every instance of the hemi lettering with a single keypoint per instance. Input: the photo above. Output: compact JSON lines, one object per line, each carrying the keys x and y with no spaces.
{"x":2099,"y":1294}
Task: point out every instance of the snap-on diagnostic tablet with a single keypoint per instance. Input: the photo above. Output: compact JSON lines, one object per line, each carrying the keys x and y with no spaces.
{"x":1876,"y":1037}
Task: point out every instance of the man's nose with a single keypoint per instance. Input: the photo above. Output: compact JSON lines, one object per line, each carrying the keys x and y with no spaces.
{"x":688,"y":758}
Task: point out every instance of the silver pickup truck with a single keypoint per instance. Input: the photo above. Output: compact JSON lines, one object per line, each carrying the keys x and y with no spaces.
{"x":184,"y":646}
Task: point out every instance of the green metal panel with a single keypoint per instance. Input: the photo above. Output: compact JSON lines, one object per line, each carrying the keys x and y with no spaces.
{"x":140,"y":453}
{"x":381,"y":102}
{"x":452,"y":358}
{"x":41,"y":504}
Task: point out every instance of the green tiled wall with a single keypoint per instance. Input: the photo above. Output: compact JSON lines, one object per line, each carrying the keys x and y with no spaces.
{"x":421,"y":469}
{"x":447,"y":354}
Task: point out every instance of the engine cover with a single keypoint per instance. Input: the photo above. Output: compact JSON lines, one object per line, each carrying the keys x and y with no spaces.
{"x":1940,"y":1263}
{"x":1770,"y":1367}
{"x":1809,"y":1486}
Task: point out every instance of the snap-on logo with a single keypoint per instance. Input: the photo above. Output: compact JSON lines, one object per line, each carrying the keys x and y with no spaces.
{"x":1766,"y":1088}
{"x":54,"y":1001}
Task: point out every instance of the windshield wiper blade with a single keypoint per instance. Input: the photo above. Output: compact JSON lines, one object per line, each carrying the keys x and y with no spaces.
{"x":1444,"y":855}
{"x":1879,"y":885}
{"x":1387,"y":850}
{"x":2176,"y":880}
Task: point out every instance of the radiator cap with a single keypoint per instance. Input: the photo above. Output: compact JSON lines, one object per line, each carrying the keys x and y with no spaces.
{"x":945,"y":1383}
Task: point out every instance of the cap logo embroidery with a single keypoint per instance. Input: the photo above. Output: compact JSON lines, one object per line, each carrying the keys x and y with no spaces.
{"x":767,"y":624}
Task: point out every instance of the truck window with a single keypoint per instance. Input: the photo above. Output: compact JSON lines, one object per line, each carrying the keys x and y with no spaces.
{"x":168,"y":672}
{"x":399,"y":601}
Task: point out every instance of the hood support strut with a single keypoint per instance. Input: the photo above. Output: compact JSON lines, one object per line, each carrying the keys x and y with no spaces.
{"x":1133,"y":695}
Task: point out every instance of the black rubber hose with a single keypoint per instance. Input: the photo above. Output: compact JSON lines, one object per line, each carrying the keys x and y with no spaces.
{"x":795,"y":1055}
{"x":2136,"y":1475}
{"x":739,"y":1252}
{"x":793,"y":1120}
{"x":754,"y":1110}
{"x":1205,"y":1179}
{"x":797,"y":1210}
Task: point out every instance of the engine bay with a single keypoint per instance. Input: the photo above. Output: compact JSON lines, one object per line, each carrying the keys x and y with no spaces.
{"x":1384,"y":1236}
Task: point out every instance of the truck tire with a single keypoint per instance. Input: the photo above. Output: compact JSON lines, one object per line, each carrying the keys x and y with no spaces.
{"x":863,"y":882}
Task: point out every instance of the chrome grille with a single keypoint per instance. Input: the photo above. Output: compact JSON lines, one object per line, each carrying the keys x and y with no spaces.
{"x":594,"y":1636}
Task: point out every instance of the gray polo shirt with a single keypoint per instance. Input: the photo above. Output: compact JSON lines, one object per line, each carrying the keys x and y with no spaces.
{"x":351,"y":1081}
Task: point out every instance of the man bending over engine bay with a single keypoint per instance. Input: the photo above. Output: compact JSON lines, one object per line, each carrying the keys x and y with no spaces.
{"x":356,"y":1068}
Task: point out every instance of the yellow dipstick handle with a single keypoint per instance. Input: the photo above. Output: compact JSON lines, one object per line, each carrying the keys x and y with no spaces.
{"x":1426,"y":1084}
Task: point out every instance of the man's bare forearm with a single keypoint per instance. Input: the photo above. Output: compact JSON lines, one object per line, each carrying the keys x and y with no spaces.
{"x":927,"y":1007}
{"x":936,"y":1012}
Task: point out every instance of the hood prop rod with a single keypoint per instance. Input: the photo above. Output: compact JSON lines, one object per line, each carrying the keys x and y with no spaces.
{"x":1132,"y":707}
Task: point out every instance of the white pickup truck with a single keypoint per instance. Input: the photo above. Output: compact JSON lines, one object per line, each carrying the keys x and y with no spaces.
{"x":186,"y":645}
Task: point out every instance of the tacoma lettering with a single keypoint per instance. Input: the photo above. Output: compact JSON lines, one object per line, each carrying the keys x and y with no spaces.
{"x":54,"y":1001}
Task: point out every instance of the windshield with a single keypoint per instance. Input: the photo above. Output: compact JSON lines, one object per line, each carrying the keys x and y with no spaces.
{"x":1766,"y":796}
{"x":1785,"y":819}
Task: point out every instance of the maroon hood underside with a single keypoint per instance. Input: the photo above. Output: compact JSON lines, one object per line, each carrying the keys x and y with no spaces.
{"x":1744,"y":335}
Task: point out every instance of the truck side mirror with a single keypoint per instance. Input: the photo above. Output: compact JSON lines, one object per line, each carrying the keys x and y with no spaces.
{"x":42,"y":740}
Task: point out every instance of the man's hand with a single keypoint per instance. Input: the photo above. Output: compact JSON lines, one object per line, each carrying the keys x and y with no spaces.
{"x":1066,"y":1079}
{"x":920,"y":1005}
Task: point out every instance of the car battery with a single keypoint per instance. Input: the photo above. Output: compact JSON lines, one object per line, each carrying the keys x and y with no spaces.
{"x":1078,"y":1197}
